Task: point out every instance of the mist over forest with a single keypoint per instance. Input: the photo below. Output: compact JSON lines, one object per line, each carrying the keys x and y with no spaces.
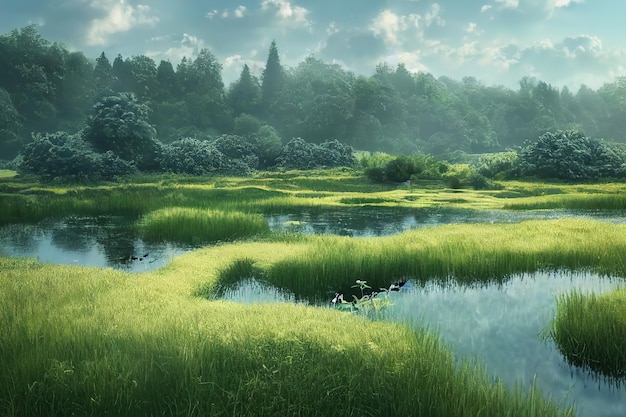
{"x":121,"y":106}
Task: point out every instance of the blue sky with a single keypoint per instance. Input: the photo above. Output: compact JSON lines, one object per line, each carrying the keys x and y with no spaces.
{"x":563,"y":42}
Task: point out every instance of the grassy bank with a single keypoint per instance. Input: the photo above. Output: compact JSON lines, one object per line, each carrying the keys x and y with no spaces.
{"x":86,"y":341}
{"x":590,"y":331}
{"x":470,"y":253}
{"x":25,"y":201}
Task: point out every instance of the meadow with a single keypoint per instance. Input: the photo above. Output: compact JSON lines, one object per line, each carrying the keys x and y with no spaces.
{"x":89,"y":341}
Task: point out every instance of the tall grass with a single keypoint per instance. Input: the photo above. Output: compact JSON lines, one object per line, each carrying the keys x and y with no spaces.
{"x":590,"y":331}
{"x":581,"y":201}
{"x":81,"y":341}
{"x":470,"y":253}
{"x":196,"y":226}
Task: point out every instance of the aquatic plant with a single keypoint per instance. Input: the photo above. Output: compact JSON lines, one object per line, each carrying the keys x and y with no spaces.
{"x":197,"y":226}
{"x":590,"y":331}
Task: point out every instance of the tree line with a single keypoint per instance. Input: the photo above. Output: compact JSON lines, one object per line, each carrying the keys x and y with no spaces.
{"x":146,"y":116}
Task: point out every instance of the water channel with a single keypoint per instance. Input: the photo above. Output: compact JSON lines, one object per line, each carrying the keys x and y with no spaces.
{"x":113,"y":241}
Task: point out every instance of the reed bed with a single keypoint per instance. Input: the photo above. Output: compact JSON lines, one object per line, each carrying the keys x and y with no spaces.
{"x":582,"y":201}
{"x":194,"y":226}
{"x":470,"y":253}
{"x":86,"y":341}
{"x":590,"y":331}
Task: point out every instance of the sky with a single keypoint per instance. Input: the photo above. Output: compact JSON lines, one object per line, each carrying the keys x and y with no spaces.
{"x":561,"y":42}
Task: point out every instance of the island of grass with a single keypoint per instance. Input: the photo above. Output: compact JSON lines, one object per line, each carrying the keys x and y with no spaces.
{"x":590,"y":331}
{"x":88,"y":341}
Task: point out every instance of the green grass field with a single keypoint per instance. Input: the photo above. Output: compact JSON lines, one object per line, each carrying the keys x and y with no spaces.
{"x":88,"y":341}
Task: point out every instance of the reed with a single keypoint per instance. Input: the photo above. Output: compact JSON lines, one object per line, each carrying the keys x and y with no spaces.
{"x":590,"y":331}
{"x":197,"y":226}
{"x":470,"y":253}
{"x":86,"y":341}
{"x":582,"y":201}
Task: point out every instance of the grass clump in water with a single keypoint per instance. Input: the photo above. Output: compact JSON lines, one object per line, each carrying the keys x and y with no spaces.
{"x":196,"y":226}
{"x":590,"y":331}
{"x":468,"y":253}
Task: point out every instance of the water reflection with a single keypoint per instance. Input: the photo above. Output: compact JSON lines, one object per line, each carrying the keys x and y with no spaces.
{"x":382,"y":221}
{"x":113,"y":240}
{"x":500,"y":325}
{"x":103,"y":241}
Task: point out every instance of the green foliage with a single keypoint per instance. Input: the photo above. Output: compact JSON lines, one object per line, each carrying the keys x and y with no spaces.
{"x":193,"y":156}
{"x":589,"y":331}
{"x":10,"y":127}
{"x":240,"y":151}
{"x":382,"y":167}
{"x":268,"y":146}
{"x":298,"y":154}
{"x":569,"y":155}
{"x":496,"y":165}
{"x":119,"y":124}
{"x":68,"y":157}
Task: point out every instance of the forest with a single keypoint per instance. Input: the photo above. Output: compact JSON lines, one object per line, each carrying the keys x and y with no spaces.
{"x":118,"y":115}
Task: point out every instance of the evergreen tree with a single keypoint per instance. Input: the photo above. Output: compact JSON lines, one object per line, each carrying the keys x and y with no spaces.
{"x":103,"y":76}
{"x":273,"y":78}
{"x":244,"y":94}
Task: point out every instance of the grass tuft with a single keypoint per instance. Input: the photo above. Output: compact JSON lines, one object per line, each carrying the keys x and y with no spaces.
{"x":198,"y":226}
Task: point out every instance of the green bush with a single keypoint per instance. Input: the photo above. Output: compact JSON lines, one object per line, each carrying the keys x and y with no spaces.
{"x":569,"y":155}
{"x":298,"y":154}
{"x":63,"y":156}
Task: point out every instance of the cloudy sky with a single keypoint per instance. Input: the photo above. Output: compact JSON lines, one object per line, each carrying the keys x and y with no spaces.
{"x":563,"y":42}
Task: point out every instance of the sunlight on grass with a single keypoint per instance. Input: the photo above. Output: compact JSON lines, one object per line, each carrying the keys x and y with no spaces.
{"x":142,"y":344}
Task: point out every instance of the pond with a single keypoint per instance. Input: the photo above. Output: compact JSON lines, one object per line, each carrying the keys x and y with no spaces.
{"x":501,"y":326}
{"x":113,"y":241}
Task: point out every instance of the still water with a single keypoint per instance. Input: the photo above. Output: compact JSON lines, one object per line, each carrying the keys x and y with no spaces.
{"x":113,"y":241}
{"x":501,"y":326}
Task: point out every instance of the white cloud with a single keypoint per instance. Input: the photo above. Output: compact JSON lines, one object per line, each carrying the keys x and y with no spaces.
{"x":188,"y":47}
{"x":397,"y":29}
{"x":509,"y":4}
{"x":471,"y":27}
{"x":565,"y":3}
{"x":240,"y":11}
{"x":212,"y":14}
{"x":120,"y":17}
{"x":294,"y":15}
{"x":485,"y":7}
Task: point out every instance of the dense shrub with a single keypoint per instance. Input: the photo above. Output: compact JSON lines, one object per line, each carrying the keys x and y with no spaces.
{"x":382,"y":167}
{"x":239,"y":150}
{"x":298,"y":154}
{"x":193,"y":156}
{"x":68,"y":157}
{"x":569,"y":155}
{"x":496,"y":165}
{"x":119,"y":124}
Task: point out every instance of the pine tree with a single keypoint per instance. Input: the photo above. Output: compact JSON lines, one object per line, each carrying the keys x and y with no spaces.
{"x":273,"y":78}
{"x":103,"y":76}
{"x":243,"y":95}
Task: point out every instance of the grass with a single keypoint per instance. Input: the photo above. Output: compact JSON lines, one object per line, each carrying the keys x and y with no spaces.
{"x":199,"y":226}
{"x":470,"y":253}
{"x":86,"y":341}
{"x":590,"y":331}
